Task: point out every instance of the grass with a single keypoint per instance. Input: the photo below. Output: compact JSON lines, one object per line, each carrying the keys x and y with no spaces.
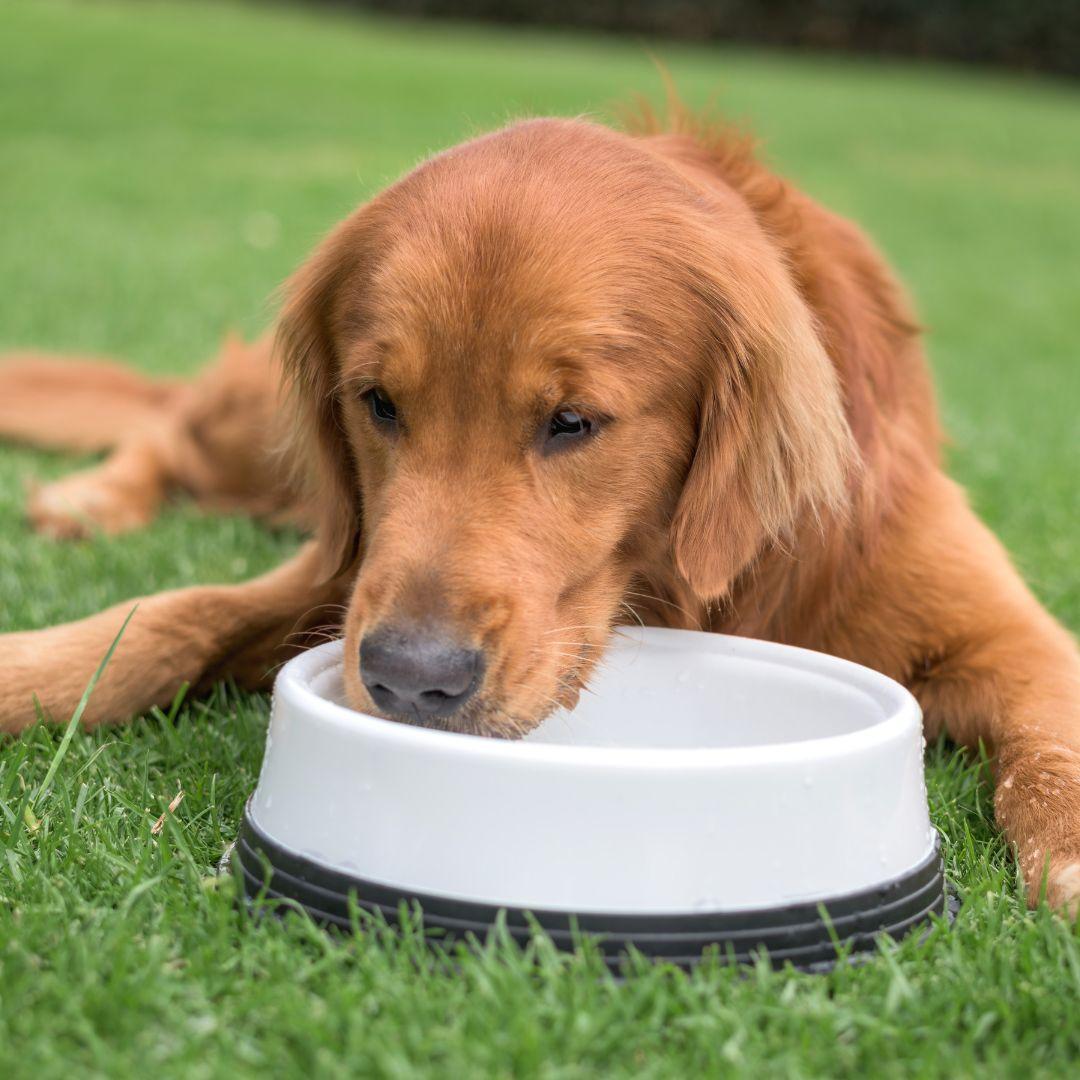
{"x":164,"y":168}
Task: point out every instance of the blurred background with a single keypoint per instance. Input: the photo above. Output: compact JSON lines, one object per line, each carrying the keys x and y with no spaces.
{"x":1037,"y":34}
{"x":167,"y":164}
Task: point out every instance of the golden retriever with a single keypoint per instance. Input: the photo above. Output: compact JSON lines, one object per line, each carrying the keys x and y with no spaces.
{"x":556,"y":377}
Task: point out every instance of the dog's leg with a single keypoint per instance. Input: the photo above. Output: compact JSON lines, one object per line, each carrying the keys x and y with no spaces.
{"x":953,"y":619}
{"x":214,"y":438}
{"x":194,"y":635}
{"x":1016,"y":689}
{"x":91,"y":406}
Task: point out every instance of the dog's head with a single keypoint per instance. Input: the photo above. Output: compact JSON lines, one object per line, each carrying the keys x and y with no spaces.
{"x":545,"y":365}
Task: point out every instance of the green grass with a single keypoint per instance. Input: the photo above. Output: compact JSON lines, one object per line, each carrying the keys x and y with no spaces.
{"x":163,"y":169}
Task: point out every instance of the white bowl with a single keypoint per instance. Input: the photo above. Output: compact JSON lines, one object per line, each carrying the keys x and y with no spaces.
{"x":706,"y":789}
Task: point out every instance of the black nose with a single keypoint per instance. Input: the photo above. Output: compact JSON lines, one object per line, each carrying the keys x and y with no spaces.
{"x":413,"y":670}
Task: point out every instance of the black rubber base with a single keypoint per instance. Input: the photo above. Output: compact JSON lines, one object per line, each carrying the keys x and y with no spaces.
{"x":796,"y":934}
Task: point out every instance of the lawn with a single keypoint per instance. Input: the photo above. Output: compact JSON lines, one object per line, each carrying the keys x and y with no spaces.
{"x":164,"y":167}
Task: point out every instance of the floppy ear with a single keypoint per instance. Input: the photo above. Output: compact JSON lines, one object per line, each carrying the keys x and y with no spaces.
{"x":305,"y":346}
{"x":773,"y":444}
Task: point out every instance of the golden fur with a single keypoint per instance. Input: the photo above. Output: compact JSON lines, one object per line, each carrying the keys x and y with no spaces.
{"x":766,"y":462}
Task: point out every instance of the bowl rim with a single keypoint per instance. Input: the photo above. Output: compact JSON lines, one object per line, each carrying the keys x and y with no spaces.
{"x":901,"y":712}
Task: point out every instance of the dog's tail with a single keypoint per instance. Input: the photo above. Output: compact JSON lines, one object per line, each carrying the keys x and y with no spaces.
{"x":75,"y":403}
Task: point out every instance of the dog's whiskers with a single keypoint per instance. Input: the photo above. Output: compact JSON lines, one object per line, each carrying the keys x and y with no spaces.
{"x":624,"y":606}
{"x":660,"y":600}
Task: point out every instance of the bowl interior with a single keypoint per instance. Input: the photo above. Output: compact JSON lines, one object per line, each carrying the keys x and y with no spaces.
{"x":698,"y":691}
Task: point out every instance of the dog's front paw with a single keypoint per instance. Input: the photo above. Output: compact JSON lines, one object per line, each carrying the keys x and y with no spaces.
{"x":1037,"y":801}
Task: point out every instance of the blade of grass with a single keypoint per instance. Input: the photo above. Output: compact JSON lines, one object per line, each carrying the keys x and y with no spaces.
{"x":77,"y":715}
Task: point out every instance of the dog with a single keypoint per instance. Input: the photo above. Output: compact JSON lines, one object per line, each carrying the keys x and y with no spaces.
{"x":558,"y":377}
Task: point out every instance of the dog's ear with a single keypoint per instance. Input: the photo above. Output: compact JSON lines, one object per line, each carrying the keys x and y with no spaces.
{"x":305,"y":348}
{"x":773,"y":444}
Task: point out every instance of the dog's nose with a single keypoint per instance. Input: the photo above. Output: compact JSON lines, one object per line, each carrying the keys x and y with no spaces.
{"x":412,"y":670}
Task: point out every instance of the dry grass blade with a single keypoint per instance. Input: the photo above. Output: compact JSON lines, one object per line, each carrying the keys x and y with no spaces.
{"x":158,"y":825}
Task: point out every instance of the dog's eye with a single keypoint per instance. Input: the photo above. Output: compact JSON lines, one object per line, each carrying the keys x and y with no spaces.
{"x":566,"y":426}
{"x":383,"y":410}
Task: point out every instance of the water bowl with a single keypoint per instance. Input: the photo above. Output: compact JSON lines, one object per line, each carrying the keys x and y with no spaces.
{"x":706,"y":791}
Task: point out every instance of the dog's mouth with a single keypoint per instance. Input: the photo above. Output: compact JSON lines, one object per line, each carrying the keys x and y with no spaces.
{"x":491,"y":723}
